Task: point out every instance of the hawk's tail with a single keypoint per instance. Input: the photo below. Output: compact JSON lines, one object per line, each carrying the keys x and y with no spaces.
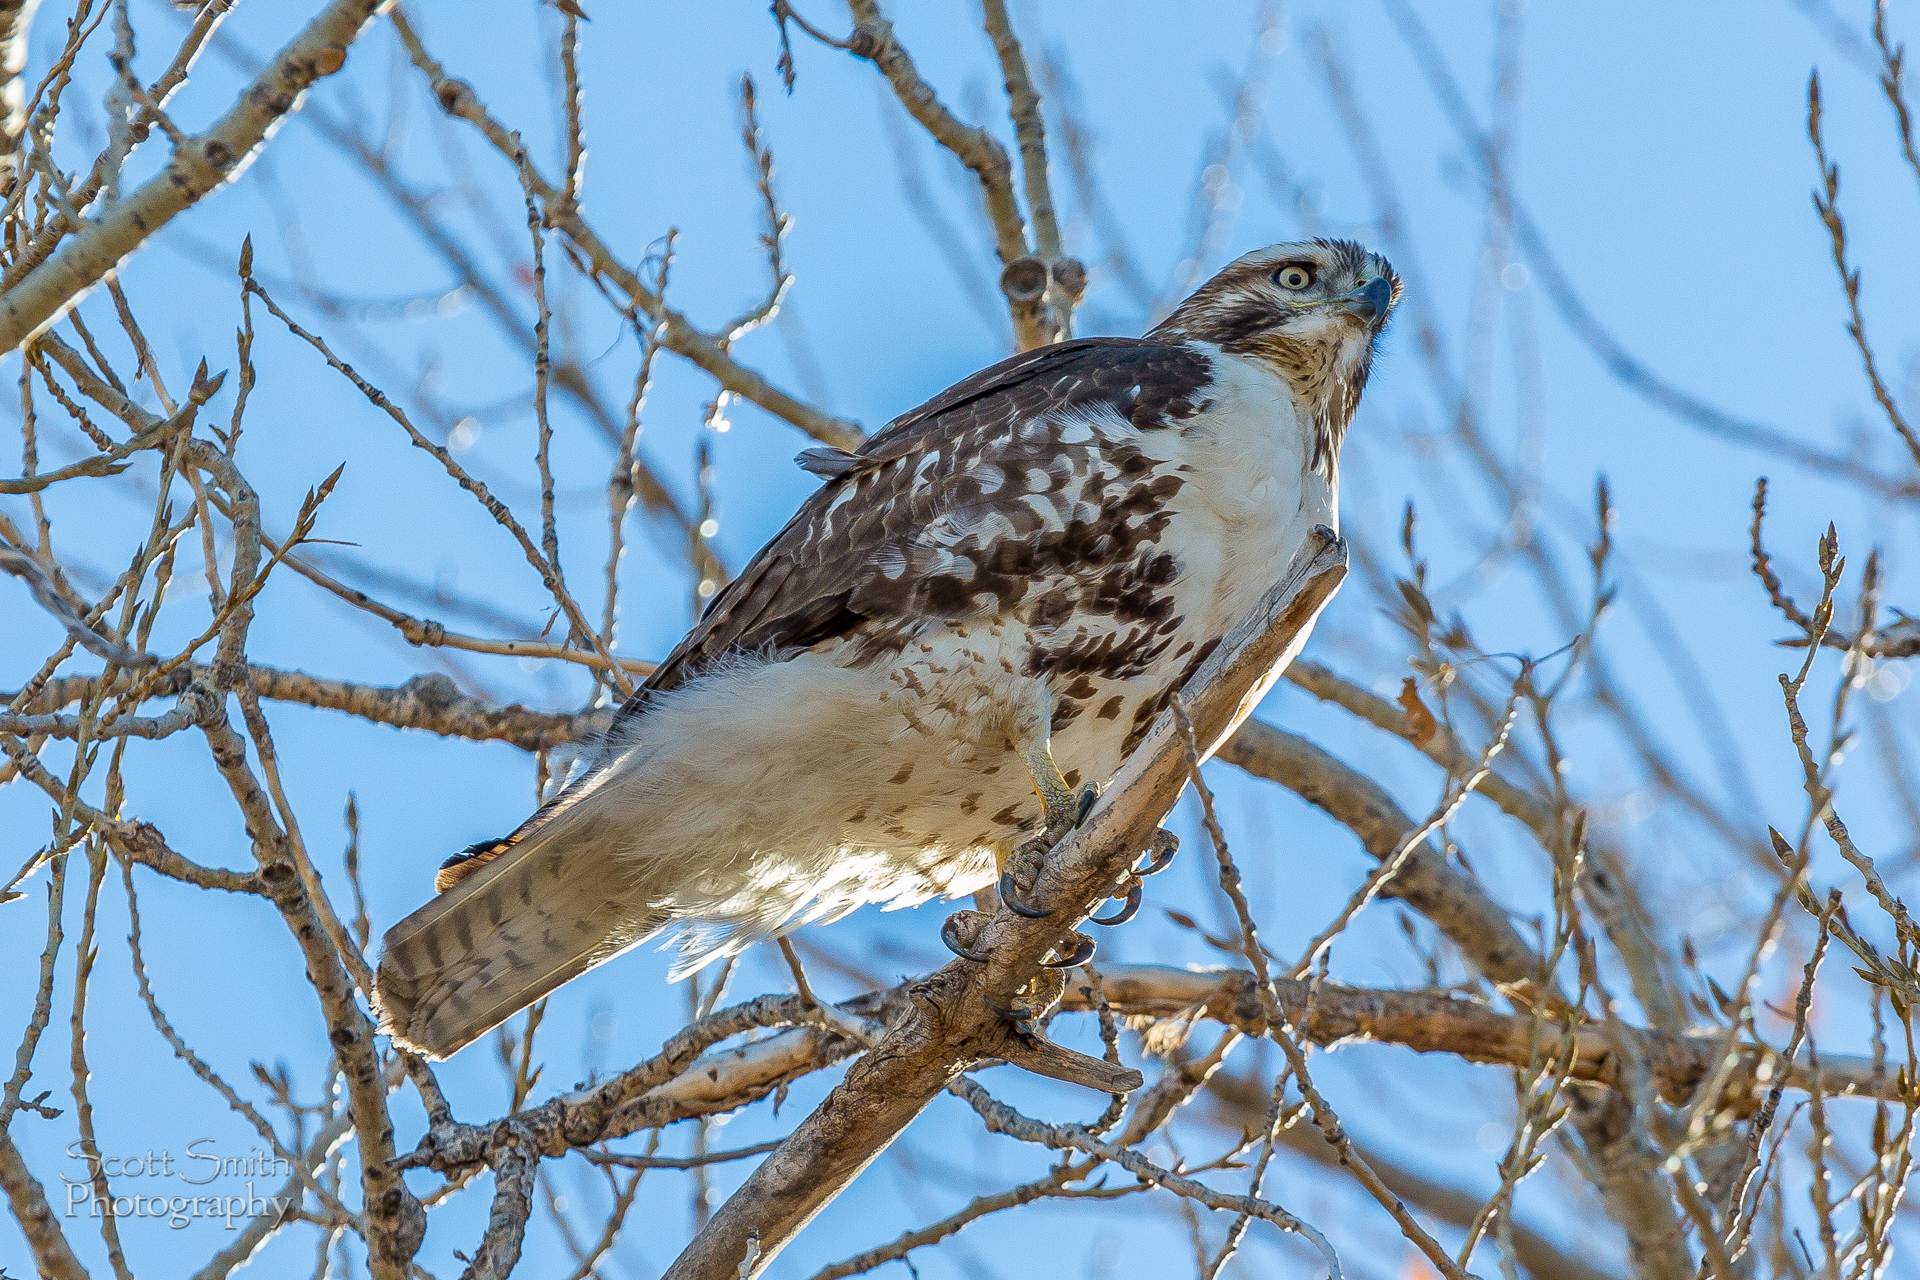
{"x":527,"y":916}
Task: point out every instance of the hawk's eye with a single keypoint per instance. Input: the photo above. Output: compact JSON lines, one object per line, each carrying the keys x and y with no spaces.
{"x":1295,"y":276}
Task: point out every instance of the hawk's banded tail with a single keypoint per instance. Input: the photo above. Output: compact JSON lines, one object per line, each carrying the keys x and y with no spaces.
{"x":525,"y":916}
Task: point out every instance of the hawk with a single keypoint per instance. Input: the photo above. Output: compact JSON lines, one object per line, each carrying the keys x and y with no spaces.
{"x":958,"y":636}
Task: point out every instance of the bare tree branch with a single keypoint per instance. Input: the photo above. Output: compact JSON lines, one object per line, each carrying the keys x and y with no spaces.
{"x":199,"y":166}
{"x":52,"y":1254}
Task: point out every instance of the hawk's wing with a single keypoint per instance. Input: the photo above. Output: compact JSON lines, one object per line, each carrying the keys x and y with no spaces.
{"x":852,"y":556}
{"x":871,"y":553}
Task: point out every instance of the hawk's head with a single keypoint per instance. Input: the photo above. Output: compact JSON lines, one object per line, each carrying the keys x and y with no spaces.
{"x":1311,"y":310}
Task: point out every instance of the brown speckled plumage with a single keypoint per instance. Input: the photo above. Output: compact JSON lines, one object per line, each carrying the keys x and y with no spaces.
{"x":985,"y":442}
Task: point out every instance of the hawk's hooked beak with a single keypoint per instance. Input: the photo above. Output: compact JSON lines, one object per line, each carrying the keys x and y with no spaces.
{"x":1369,"y":302}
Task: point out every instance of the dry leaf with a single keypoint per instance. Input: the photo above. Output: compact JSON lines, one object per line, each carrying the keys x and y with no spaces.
{"x":1421,"y":725}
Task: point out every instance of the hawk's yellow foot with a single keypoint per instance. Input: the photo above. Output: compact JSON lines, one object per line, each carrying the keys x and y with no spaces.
{"x":1022,"y":869}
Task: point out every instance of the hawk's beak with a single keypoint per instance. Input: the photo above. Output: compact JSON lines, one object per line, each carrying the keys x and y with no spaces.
{"x":1369,"y":302}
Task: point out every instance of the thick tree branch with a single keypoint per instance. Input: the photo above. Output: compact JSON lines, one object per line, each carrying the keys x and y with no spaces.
{"x":499,"y":1251}
{"x":16,"y":20}
{"x":681,"y":1082}
{"x":52,"y":1254}
{"x":1332,"y":1014}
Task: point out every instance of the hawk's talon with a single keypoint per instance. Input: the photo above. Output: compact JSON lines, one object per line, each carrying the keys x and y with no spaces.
{"x":1161,"y":850}
{"x":1083,"y":951}
{"x":1083,"y":803}
{"x":1128,"y":909}
{"x":1010,"y":895}
{"x":1029,"y":1006}
{"x":950,"y":934}
{"x":1018,"y":1019}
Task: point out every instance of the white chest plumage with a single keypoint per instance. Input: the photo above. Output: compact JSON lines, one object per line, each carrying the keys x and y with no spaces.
{"x":1249,"y":501}
{"x":1252,"y":494}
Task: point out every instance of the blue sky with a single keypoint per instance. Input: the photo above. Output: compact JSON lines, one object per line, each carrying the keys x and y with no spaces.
{"x":1659,"y":148}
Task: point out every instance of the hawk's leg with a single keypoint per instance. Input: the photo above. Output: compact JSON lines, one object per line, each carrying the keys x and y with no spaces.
{"x":1061,"y":807}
